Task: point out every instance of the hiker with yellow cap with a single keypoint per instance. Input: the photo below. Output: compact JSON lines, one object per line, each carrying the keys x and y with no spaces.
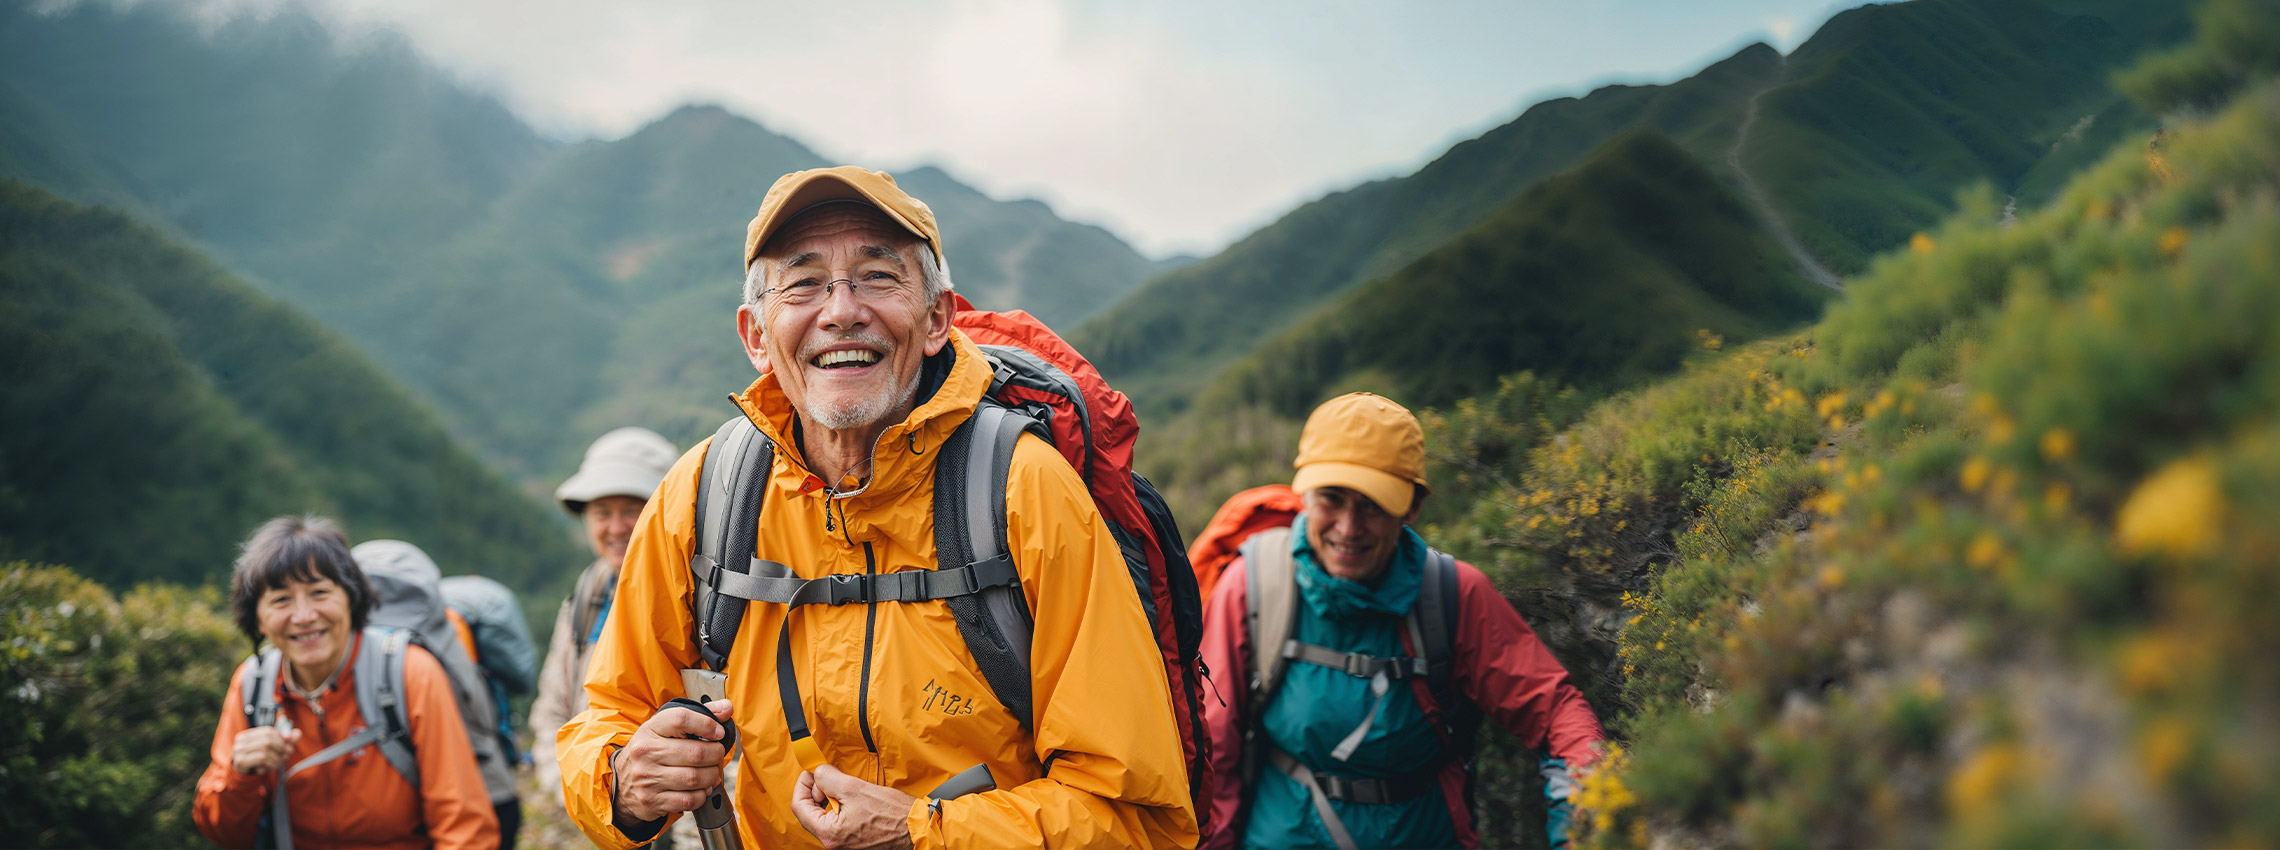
{"x":786,"y":583}
{"x":1368,"y":658}
{"x":607,"y":492}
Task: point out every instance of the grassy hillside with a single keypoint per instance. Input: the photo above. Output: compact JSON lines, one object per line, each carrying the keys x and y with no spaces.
{"x":1605,"y":274}
{"x":160,"y":409}
{"x":1984,"y":558}
{"x":1862,"y":137}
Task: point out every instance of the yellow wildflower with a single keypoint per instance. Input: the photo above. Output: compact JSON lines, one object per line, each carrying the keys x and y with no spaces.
{"x":2164,"y":745}
{"x":2057,"y":444}
{"x":1922,"y":244}
{"x":1975,"y":474}
{"x":1984,"y":552}
{"x":2174,"y":512}
{"x":2172,"y":242}
{"x":1831,"y":403}
{"x":1832,"y":577}
{"x":1978,"y":786}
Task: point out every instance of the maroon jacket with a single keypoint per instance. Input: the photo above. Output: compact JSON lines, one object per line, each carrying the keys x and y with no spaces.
{"x":1501,"y":666}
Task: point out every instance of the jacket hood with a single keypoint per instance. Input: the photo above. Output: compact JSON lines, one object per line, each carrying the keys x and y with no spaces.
{"x":951,"y":384}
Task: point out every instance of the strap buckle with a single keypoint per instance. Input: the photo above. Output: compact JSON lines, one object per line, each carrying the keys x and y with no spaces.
{"x":1361,"y":666}
{"x":845,"y":588}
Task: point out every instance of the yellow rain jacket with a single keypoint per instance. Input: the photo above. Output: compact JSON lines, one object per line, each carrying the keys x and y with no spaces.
{"x":889,"y":689}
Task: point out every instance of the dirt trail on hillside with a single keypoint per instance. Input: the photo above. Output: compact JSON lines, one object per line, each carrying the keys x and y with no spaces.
{"x":1773,"y":219}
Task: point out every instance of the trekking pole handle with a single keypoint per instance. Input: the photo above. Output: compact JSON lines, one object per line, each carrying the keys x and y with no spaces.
{"x":972,"y":780}
{"x":716,"y":816}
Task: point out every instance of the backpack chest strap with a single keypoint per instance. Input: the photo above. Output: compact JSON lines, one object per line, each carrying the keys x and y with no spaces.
{"x":1355,"y":664}
{"x":769,"y":582}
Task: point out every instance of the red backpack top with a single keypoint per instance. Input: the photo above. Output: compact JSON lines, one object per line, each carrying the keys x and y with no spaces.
{"x":1244,"y":514}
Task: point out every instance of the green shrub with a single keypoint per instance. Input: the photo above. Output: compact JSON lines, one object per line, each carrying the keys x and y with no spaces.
{"x":110,"y":705}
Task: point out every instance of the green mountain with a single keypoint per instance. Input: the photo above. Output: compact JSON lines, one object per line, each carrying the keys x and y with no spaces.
{"x":1959,"y":93}
{"x":1604,"y":274}
{"x":536,"y":292}
{"x":159,"y":409}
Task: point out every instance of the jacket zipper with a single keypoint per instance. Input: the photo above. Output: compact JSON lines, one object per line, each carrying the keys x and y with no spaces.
{"x":870,"y":627}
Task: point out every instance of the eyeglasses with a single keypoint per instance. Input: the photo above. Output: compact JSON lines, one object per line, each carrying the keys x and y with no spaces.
{"x":876,"y":286}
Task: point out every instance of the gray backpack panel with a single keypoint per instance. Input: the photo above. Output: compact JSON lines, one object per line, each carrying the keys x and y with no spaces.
{"x":409,"y":595}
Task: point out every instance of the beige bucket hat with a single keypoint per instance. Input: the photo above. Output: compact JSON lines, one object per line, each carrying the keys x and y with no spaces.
{"x":629,"y":461}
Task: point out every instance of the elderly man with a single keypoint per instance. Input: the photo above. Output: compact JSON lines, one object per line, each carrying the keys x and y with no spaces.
{"x":1370,"y":660}
{"x":847,"y":316}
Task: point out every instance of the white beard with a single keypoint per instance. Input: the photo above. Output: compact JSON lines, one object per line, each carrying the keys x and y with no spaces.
{"x":863,"y":412}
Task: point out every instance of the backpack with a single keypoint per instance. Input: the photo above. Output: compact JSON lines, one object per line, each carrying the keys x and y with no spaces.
{"x":1271,"y":609}
{"x":1244,"y":514}
{"x":1040,"y":385}
{"x":502,"y":647}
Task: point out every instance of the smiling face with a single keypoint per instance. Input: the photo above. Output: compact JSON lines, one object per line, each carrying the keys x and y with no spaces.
{"x":309,"y":622}
{"x":848,"y":359}
{"x":609,"y":525}
{"x":1352,"y":537}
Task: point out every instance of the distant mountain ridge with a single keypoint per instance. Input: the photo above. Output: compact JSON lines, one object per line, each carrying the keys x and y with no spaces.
{"x":1978,"y":92}
{"x":1605,"y":274}
{"x":531,"y":289}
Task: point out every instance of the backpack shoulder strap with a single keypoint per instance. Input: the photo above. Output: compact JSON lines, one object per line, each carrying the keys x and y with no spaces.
{"x":257,"y":690}
{"x":730,"y":493}
{"x":1271,"y":589}
{"x":969,"y":532}
{"x":381,"y":697}
{"x":1432,"y":624}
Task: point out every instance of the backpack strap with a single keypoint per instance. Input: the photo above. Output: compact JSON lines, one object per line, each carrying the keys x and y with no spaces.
{"x":1270,"y":606}
{"x":970,"y":534}
{"x":381,"y":698}
{"x":1270,"y":586}
{"x":730,"y":493}
{"x":257,"y":690}
{"x":1355,"y":664}
{"x":1432,"y":625}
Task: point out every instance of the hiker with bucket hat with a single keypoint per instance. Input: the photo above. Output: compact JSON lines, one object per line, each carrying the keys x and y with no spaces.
{"x":357,"y":740}
{"x":608,"y":491}
{"x":1366,"y":658}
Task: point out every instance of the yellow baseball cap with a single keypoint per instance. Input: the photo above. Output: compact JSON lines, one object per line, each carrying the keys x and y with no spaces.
{"x":1364,"y":443}
{"x":794,"y":193}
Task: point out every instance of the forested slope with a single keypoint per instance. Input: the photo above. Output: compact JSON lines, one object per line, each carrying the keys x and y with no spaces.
{"x":158,"y":410}
{"x":1603,"y":275}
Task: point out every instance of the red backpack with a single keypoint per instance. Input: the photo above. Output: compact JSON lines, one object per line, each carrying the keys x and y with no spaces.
{"x":1244,"y":514}
{"x":1040,"y":385}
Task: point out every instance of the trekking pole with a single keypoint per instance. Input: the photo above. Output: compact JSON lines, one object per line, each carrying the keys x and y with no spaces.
{"x":716,"y":816}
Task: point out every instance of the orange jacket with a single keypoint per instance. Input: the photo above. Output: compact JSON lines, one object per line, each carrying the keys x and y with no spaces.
{"x":356,"y":800}
{"x":889,"y":689}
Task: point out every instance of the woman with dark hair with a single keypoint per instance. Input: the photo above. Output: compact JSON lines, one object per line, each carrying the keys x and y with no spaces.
{"x":296,"y":588}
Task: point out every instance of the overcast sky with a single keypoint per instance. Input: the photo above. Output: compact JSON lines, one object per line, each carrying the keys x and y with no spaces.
{"x":1179,"y":125}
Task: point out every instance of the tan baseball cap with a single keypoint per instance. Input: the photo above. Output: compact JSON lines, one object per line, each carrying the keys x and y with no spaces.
{"x":1364,"y":443}
{"x":794,"y":193}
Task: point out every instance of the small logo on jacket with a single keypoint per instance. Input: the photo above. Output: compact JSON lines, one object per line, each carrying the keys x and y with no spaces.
{"x":944,"y":701}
